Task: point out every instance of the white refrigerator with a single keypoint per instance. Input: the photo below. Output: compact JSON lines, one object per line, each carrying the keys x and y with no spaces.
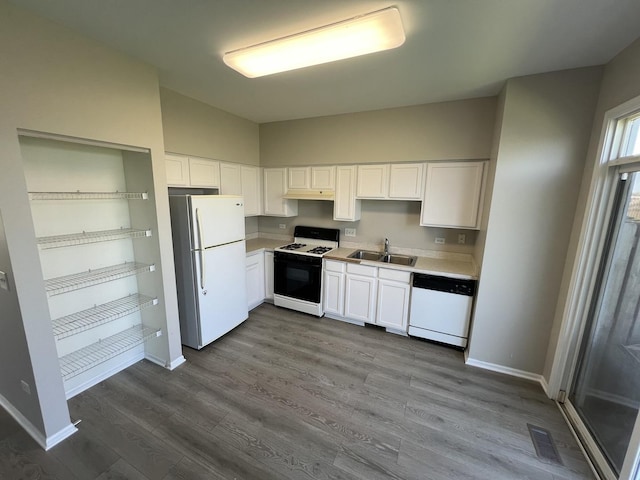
{"x":210,"y":258}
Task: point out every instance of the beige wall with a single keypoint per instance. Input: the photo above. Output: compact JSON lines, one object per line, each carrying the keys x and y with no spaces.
{"x":442,"y":131}
{"x":397,"y":220}
{"x":439,"y":131}
{"x":620,"y":82}
{"x":195,"y":128}
{"x":545,"y":128}
{"x":59,"y":82}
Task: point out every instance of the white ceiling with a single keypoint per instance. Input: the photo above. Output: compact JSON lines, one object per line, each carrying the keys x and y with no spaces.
{"x":455,"y":49}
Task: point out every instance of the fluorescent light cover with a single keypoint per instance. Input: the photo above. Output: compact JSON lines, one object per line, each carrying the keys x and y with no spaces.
{"x":373,"y":32}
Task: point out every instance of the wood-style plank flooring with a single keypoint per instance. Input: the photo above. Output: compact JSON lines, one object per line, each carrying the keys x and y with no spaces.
{"x":290,"y":396}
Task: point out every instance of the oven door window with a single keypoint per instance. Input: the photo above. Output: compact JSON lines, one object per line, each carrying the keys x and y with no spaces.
{"x":297,"y":279}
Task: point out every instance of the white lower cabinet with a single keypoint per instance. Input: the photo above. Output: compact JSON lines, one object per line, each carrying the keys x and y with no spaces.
{"x":255,"y":279}
{"x":368,"y":294}
{"x":393,"y":299}
{"x":360,"y":293}
{"x":268,"y":275}
{"x":333,"y":285}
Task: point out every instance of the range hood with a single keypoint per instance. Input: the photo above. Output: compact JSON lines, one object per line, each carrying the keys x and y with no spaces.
{"x":310,"y":195}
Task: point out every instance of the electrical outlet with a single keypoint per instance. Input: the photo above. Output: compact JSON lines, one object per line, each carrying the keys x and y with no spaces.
{"x":25,"y":386}
{"x":349,"y":232}
{"x":4,"y":283}
{"x":462,"y":238}
{"x":282,"y":226}
{"x":440,"y":240}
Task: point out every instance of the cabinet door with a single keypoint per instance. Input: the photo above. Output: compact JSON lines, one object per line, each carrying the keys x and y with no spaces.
{"x":255,"y":280}
{"x":373,"y":181}
{"x":405,"y":181}
{"x":393,"y":304}
{"x":250,"y":183}
{"x":323,"y":178}
{"x":230,"y":179}
{"x":360,"y":298}
{"x":177,"y":168}
{"x":333,"y":293}
{"x":268,"y":275}
{"x":345,"y":205}
{"x":275,"y":186}
{"x":453,"y":195}
{"x":204,"y":173}
{"x":299,"y":178}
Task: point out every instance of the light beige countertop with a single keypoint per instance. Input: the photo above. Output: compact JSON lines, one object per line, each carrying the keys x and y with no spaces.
{"x":456,"y":266}
{"x":255,"y":244}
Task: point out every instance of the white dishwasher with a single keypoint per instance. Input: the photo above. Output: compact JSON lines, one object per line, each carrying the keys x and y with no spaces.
{"x":441,"y":308}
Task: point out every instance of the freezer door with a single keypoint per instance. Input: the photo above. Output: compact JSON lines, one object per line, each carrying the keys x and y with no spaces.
{"x":222,"y":300}
{"x":216,"y":219}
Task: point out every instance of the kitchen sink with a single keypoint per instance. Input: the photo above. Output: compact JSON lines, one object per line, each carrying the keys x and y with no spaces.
{"x":396,"y":259}
{"x":393,"y":258}
{"x":366,"y":255}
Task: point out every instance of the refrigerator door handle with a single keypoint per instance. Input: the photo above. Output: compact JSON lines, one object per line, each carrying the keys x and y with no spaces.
{"x":201,"y":245}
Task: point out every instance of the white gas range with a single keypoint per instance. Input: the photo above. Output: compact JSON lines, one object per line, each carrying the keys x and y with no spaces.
{"x":298,"y":269}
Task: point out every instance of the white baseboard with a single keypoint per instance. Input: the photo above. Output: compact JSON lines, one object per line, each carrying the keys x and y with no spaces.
{"x":514,"y":372}
{"x":545,"y":387}
{"x":345,"y":320}
{"x":45,"y":442}
{"x":176,"y":362}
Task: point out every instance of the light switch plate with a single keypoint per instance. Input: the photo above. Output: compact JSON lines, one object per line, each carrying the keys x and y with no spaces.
{"x":4,"y":281}
{"x":349,"y":232}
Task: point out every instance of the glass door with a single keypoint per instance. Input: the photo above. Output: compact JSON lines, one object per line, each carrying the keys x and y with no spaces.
{"x":606,"y":389}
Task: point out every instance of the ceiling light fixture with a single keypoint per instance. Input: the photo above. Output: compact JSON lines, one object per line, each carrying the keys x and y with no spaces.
{"x":372,"y":32}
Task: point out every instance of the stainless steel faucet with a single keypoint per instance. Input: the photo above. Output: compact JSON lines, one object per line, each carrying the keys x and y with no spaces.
{"x":386,"y":246}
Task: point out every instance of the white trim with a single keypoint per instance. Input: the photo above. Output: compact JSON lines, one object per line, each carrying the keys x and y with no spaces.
{"x":579,"y":441}
{"x":494,"y":367}
{"x":45,"y":442}
{"x":168,"y":365}
{"x":103,"y":376}
{"x":545,"y":386}
{"x":344,"y":319}
{"x":585,"y":440}
{"x":83,"y":141}
{"x":631,"y":465}
{"x":589,"y":250}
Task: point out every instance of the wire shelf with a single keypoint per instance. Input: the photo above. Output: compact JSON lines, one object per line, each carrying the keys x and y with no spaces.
{"x":83,"y":238}
{"x":100,"y":314}
{"x":88,"y":195}
{"x":92,"y":355}
{"x":76,"y":281}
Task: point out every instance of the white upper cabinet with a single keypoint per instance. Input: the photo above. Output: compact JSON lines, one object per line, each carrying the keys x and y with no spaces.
{"x":251,"y":190}
{"x":299,"y":178}
{"x":275,"y":187}
{"x":177,"y":168}
{"x":345,"y":206}
{"x":405,"y":181}
{"x":311,"y":178}
{"x":230,"y":179}
{"x":236,"y":179}
{"x":204,"y":173}
{"x":453,"y":194}
{"x":373,"y":181}
{"x":323,"y":178}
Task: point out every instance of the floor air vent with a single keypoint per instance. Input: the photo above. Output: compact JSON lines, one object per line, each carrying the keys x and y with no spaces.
{"x":544,"y":445}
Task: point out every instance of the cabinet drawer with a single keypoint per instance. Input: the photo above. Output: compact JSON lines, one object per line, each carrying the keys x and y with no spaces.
{"x":333,"y":266}
{"x":364,"y":270}
{"x":397,"y":275}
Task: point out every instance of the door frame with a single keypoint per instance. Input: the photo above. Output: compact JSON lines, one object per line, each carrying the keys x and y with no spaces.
{"x":591,"y":242}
